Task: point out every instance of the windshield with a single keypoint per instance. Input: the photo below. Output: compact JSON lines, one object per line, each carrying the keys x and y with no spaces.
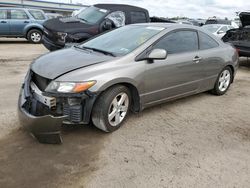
{"x":123,"y":40}
{"x":92,"y":14}
{"x":211,"y":28}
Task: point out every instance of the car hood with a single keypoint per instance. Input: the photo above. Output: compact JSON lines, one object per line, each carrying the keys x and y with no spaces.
{"x":67,"y":25}
{"x":245,"y":18}
{"x":55,"y":64}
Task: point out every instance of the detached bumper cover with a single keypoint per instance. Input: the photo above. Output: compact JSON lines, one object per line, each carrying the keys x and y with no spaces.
{"x":46,"y":129}
{"x":51,"y":45}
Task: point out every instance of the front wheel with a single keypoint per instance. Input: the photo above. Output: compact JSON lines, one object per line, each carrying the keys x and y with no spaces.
{"x":223,"y":81}
{"x":34,"y":36}
{"x":111,"y":108}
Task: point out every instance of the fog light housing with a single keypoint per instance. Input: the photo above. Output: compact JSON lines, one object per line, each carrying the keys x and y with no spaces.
{"x":74,"y":101}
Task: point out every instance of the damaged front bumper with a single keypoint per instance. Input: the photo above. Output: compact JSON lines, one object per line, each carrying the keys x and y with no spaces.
{"x":46,"y":128}
{"x":43,"y":115}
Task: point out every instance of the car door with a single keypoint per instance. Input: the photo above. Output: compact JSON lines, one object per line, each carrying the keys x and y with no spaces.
{"x":179,"y":74}
{"x":211,"y":60}
{"x":18,"y":20}
{"x":4,"y":23}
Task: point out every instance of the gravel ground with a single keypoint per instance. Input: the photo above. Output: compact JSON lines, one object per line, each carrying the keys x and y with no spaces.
{"x":198,"y":141}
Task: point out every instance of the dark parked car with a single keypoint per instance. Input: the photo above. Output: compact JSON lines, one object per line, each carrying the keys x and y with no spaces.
{"x":20,"y":22}
{"x":105,"y":77}
{"x":240,"y":37}
{"x":89,"y":22}
{"x":217,"y":21}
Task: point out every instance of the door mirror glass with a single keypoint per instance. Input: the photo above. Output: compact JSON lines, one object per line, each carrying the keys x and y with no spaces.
{"x":157,"y":54}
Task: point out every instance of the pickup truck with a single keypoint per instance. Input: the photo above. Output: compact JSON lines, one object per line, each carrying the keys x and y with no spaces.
{"x":89,"y":22}
{"x":240,"y":38}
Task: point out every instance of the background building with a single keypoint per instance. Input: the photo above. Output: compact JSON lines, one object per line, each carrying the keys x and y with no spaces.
{"x":49,"y":7}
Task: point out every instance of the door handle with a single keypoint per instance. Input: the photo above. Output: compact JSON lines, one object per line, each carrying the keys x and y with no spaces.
{"x":26,"y":22}
{"x":197,"y":59}
{"x":3,"y":22}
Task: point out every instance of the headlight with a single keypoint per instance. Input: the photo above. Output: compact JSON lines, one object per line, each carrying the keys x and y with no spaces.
{"x":69,"y":87}
{"x":61,"y":36}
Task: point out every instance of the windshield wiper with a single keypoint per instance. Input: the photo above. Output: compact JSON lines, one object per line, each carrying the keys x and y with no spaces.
{"x":99,"y":50}
{"x":82,"y":19}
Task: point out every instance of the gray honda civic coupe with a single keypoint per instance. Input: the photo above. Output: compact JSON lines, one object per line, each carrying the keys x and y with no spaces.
{"x":127,"y":69}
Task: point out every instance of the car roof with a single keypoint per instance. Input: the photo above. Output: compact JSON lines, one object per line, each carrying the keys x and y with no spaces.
{"x":114,"y":7}
{"x":174,"y":26}
{"x":20,"y":8}
{"x":168,"y":25}
{"x":220,"y":25}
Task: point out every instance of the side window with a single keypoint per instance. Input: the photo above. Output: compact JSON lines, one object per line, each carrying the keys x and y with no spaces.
{"x":38,"y":15}
{"x":118,"y":17}
{"x":224,"y":29}
{"x":138,"y":17}
{"x":206,"y":42}
{"x":3,"y":14}
{"x":179,"y":42}
{"x":18,"y":14}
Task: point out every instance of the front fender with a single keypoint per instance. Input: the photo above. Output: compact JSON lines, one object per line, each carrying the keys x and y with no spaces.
{"x":103,"y":86}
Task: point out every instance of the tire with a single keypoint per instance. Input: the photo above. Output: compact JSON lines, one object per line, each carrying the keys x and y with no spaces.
{"x":223,"y":81}
{"x":105,"y":107}
{"x":34,"y":36}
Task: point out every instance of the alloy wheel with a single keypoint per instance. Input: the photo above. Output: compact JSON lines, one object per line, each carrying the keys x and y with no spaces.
{"x":118,"y":109}
{"x":35,"y":37}
{"x":224,"y":80}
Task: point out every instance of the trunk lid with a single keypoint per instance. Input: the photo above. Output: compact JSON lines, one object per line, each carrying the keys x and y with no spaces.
{"x":245,"y":18}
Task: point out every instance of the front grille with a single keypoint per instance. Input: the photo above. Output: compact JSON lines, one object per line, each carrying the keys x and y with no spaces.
{"x":40,"y":81}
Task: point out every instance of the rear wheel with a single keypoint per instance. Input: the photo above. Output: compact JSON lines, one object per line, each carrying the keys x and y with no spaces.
{"x":34,"y":36}
{"x":111,"y":108}
{"x":223,"y":81}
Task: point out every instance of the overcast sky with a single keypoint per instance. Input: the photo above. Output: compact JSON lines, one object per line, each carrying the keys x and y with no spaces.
{"x":189,"y":8}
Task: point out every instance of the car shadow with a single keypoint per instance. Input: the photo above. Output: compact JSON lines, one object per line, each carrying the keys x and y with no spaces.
{"x":245,"y":62}
{"x":23,"y":41}
{"x":27,"y":163}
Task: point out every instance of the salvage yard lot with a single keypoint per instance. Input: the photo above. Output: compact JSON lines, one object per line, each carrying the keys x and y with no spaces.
{"x":199,"y":141}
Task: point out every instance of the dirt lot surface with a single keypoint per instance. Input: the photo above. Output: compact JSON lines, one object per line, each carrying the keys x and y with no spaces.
{"x":199,"y":141}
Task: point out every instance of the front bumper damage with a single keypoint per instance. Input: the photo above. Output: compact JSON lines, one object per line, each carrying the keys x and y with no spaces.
{"x":45,"y":128}
{"x":44,"y":117}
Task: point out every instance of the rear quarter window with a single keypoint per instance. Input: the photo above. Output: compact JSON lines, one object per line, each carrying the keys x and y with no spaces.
{"x":206,"y":42}
{"x":138,"y":17}
{"x":38,"y":15}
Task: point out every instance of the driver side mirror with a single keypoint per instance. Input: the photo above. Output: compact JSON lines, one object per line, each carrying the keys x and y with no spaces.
{"x":220,"y":32}
{"x":157,"y":54}
{"x":107,"y":24}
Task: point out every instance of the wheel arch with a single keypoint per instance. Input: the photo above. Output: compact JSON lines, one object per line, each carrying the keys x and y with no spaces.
{"x":233,"y":71}
{"x":136,"y":104}
{"x":40,"y":28}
